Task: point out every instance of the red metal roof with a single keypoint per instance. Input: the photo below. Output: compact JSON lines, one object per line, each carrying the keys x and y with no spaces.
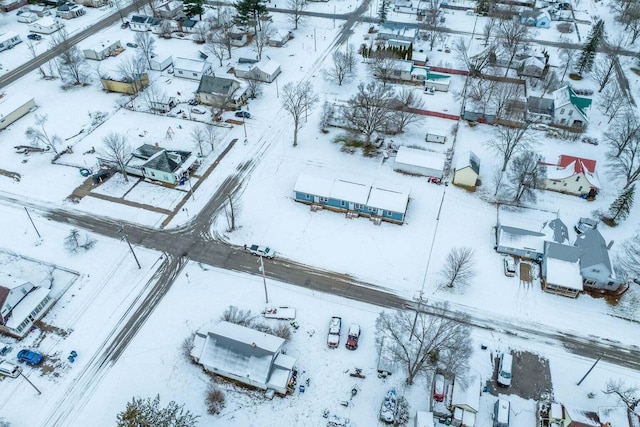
{"x":581,"y":165}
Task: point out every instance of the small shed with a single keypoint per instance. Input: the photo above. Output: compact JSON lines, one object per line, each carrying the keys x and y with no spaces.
{"x":46,"y":25}
{"x":419,"y":162}
{"x":467,"y":170}
{"x":9,"y":40}
{"x":159,"y":63}
{"x":437,"y":81}
{"x":436,"y":135}
{"x":279,"y":38}
{"x":13,"y":107}
{"x":102,"y":50}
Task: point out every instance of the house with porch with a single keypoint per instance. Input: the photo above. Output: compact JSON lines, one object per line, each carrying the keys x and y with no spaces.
{"x":70,"y":11}
{"x":596,"y":267}
{"x":560,"y":270}
{"x":46,"y":25}
{"x":381,"y":202}
{"x":572,"y":175}
{"x":221,"y":92}
{"x":265,"y":70}
{"x":103,"y":50}
{"x":245,"y":355}
{"x":569,"y":108}
{"x":527,"y":240}
{"x":158,"y":164}
{"x":21,"y":304}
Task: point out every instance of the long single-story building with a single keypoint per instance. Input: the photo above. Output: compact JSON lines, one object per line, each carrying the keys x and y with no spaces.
{"x":13,"y":107}
{"x":419,"y":162}
{"x":21,"y":304}
{"x":102,"y":50}
{"x":384,"y":202}
{"x":245,"y":355}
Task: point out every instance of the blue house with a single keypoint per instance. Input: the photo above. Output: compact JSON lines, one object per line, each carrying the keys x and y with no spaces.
{"x":536,"y":18}
{"x":386,"y":202}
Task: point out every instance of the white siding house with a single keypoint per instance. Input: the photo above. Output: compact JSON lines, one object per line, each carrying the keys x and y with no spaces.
{"x":419,"y":162}
{"x":46,"y":25}
{"x":264,"y":71}
{"x":9,"y":40}
{"x":192,"y":69}
{"x":13,"y":107}
{"x":102,"y":50}
{"x":21,"y":305}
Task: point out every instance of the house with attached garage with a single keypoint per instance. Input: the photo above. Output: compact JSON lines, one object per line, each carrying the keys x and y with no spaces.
{"x":572,"y":175}
{"x":467,"y":170}
{"x":46,"y":25}
{"x":264,"y":71}
{"x":380,"y":202}
{"x":221,"y":92}
{"x":596,"y":268}
{"x":9,"y":40}
{"x":12,"y":107}
{"x":192,"y":69}
{"x":21,"y":304}
{"x":560,"y":270}
{"x":245,"y":355}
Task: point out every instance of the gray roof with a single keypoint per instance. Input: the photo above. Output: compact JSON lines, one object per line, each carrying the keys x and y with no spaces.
{"x":539,"y":105}
{"x":217,"y":85}
{"x":560,"y":231}
{"x":561,"y":252}
{"x":593,"y":249}
{"x":162,"y":161}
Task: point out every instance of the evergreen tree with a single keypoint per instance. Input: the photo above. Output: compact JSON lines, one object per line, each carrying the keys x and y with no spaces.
{"x":250,"y":11}
{"x":382,"y":11}
{"x":410,"y":52}
{"x":620,"y":208}
{"x":588,"y":54}
{"x":147,"y":412}
{"x":193,"y":7}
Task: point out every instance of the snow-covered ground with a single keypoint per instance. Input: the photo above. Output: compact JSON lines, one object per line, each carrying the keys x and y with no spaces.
{"x":404,"y":259}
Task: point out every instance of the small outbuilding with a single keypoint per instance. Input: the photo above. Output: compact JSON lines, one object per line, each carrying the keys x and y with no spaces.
{"x":46,"y":25}
{"x":9,"y":40}
{"x":437,"y":81}
{"x":103,"y":49}
{"x":160,"y":63}
{"x":435,"y":135}
{"x":419,"y":162}
{"x":467,"y":170}
{"x":279,"y":38}
{"x":27,"y":17}
{"x":13,"y":107}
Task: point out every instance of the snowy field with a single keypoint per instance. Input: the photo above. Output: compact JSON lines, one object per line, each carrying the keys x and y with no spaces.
{"x":405,"y":259}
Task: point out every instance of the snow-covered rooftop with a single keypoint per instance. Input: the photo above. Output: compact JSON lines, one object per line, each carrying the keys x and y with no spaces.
{"x":422,"y":158}
{"x":356,"y":192}
{"x":389,"y":198}
{"x":564,"y":273}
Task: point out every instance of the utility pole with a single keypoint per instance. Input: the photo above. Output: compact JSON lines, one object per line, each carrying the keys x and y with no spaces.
{"x":124,"y":236}
{"x":590,"y":369}
{"x":264,"y":280}
{"x":34,"y":226}
{"x":415,"y":319}
{"x":32,"y":385}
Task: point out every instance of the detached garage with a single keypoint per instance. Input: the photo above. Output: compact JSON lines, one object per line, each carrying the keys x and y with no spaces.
{"x":419,"y":162}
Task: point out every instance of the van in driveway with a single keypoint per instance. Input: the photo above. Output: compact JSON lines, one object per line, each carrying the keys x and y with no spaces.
{"x":504,"y":370}
{"x":9,"y":369}
{"x":501,"y":411}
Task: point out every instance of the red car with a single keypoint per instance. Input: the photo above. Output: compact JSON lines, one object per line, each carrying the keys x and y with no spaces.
{"x":438,"y":388}
{"x":354,"y":335}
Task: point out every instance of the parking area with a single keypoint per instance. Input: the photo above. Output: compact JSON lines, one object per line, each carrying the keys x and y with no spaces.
{"x":531,"y":377}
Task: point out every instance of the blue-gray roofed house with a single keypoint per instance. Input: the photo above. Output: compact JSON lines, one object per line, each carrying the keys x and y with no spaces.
{"x":243,"y":354}
{"x":595,"y":264}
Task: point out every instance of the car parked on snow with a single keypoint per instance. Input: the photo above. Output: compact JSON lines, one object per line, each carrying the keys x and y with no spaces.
{"x":124,"y":25}
{"x":198,"y":111}
{"x":34,"y":36}
{"x":333,"y":338}
{"x":133,"y":45}
{"x":9,"y":369}
{"x":263,"y":251}
{"x":505,"y":368}
{"x":244,"y":114}
{"x":353,"y":337}
{"x":29,"y":357}
{"x":509,"y":266}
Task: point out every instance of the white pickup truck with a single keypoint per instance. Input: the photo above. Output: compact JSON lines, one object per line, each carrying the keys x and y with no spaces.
{"x":333,"y":338}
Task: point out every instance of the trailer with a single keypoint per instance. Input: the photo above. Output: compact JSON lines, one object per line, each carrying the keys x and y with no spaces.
{"x":280,"y":313}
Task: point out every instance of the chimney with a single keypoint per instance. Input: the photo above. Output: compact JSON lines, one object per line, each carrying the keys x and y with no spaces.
{"x":609,"y":245}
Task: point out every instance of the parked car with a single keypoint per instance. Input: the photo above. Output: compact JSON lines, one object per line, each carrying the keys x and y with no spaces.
{"x":29,"y":357}
{"x":501,"y":410}
{"x":244,"y":114}
{"x":585,"y":224}
{"x":438,"y":388}
{"x":124,"y":25}
{"x":133,"y":45}
{"x":9,"y":369}
{"x":333,"y":338}
{"x":193,"y":102}
{"x":5,"y":349}
{"x":504,"y":370}
{"x":263,"y":251}
{"x":353,"y":337}
{"x":198,"y":111}
{"x":34,"y":36}
{"x":509,"y":266}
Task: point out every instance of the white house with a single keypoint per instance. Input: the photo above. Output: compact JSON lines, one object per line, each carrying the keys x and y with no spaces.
{"x":265,"y":71}
{"x":161,"y":63}
{"x":192,"y":69}
{"x":536,"y":18}
{"x":9,"y":40}
{"x":569,"y":108}
{"x":437,"y":81}
{"x":13,"y":107}
{"x":560,"y":270}
{"x":467,"y":170}
{"x":244,"y":355}
{"x":70,"y":11}
{"x":279,"y":38}
{"x":419,"y":162}
{"x":46,"y":25}
{"x":158,"y":164}
{"x":21,"y":304}
{"x":144,"y":23}
{"x":102,"y":50}
{"x":572,"y":175}
{"x":27,"y":17}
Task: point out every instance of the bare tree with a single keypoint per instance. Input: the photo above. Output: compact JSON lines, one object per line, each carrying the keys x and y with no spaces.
{"x":117,"y":151}
{"x":628,"y":14}
{"x":405,"y":106}
{"x":261,"y":37}
{"x":509,"y":141}
{"x":199,"y":136}
{"x":426,"y":342}
{"x":201,"y":31}
{"x":131,"y":68}
{"x":34,"y":54}
{"x":254,"y":89}
{"x":431,"y":23}
{"x":298,"y":100}
{"x":612,"y":102}
{"x":369,"y":110}
{"x":629,"y":395}
{"x":165,"y":28}
{"x":603,"y":70}
{"x":71,"y":62}
{"x":622,"y":133}
{"x":325,"y":117}
{"x":627,"y":163}
{"x":512,"y":34}
{"x":216,"y":45}
{"x":383,"y":66}
{"x":146,"y":46}
{"x":230,"y":212}
{"x":476,"y":64}
{"x":526,"y":176}
{"x":74,"y":242}
{"x":38,"y":135}
{"x":568,"y":55}
{"x":459,"y":267}
{"x":295,"y":11}
{"x":340,"y":67}
{"x":630,"y":256}
{"x":489,"y":29}
{"x":212,"y":136}
{"x":550,"y":82}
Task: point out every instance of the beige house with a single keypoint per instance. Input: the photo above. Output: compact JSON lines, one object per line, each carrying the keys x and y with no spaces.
{"x":467,"y":170}
{"x":572,"y":175}
{"x":128,"y":87}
